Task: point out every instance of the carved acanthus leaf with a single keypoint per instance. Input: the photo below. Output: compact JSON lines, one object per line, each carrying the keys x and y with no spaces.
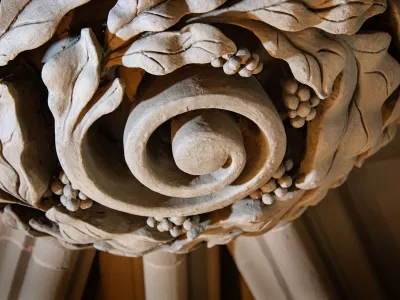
{"x":125,"y":11}
{"x":28,"y":24}
{"x":314,"y":59}
{"x":7,"y":198}
{"x":108,"y":230}
{"x":334,"y":16}
{"x":244,"y":216}
{"x":352,"y":128}
{"x":76,"y":101}
{"x":379,"y":107}
{"x":17,"y":217}
{"x":73,"y":78}
{"x":26,"y":160}
{"x":162,"y":53}
{"x":129,"y":18}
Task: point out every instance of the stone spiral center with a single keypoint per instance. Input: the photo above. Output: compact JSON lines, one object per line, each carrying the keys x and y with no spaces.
{"x":204,"y":141}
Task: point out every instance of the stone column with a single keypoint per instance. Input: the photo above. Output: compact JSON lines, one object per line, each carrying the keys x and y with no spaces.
{"x":282,"y":264}
{"x":40,"y":269}
{"x":165,"y":276}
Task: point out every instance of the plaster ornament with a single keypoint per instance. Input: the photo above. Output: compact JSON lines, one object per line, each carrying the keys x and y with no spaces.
{"x":165,"y":138}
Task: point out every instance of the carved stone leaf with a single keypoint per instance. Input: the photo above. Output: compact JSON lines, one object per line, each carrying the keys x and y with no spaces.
{"x":163,"y":53}
{"x":129,"y":18}
{"x":26,"y":161}
{"x":7,"y":198}
{"x":98,"y":223}
{"x":379,"y":107}
{"x":334,"y":16}
{"x":332,"y":119}
{"x":72,"y":78}
{"x":28,"y":24}
{"x":76,"y":101}
{"x":137,"y":243}
{"x":352,"y":125}
{"x":107,"y":229}
{"x":314,"y":59}
{"x":17,"y":217}
{"x":244,"y":216}
{"x":125,"y":11}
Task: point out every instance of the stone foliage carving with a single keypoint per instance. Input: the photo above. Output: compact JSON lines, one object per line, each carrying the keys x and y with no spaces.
{"x":163,"y":53}
{"x":26,"y":161}
{"x":185,"y":121}
{"x":28,"y":24}
{"x":337,"y":17}
{"x":129,"y":18}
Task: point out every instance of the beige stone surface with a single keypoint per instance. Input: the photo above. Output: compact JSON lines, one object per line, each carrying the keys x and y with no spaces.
{"x":283,"y":264}
{"x":26,"y":162}
{"x":178,"y":122}
{"x":332,"y":16}
{"x":129,"y":18}
{"x":27,"y":24}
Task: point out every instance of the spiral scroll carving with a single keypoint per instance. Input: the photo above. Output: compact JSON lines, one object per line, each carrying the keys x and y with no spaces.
{"x":208,"y":162}
{"x":223,"y":145}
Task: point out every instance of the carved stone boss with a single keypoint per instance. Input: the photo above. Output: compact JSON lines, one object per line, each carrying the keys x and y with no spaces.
{"x":183,"y":121}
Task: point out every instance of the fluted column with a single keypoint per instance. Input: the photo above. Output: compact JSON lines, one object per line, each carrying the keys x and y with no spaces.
{"x":40,"y":269}
{"x":282,"y":264}
{"x":165,"y":276}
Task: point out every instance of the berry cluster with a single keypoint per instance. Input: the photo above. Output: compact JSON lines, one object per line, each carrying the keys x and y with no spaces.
{"x":301,"y":103}
{"x":71,"y":198}
{"x":176,"y":225}
{"x":243,"y":62}
{"x":277,"y":186}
